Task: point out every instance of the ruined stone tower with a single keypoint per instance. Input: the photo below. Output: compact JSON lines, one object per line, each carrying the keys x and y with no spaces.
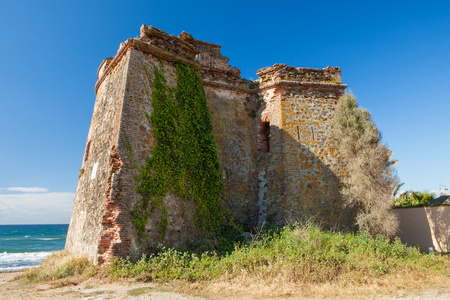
{"x":278,"y":158}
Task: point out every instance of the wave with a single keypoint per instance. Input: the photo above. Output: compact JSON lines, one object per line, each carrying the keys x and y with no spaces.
{"x":8,"y":269}
{"x":33,"y":238}
{"x":19,"y":261}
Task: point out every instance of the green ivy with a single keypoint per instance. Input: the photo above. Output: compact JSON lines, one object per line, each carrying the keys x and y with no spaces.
{"x":184,"y":159}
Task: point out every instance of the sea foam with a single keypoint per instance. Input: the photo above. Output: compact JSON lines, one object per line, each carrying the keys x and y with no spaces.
{"x":19,"y":261}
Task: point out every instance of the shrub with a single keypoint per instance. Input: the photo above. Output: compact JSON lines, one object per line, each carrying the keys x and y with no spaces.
{"x":370,"y":180}
{"x":413,"y":199}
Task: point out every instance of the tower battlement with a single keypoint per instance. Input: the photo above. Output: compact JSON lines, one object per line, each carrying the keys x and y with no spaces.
{"x":282,"y":72}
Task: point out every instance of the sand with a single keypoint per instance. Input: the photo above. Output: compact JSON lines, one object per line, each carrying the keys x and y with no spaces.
{"x":100,"y":289}
{"x":89,"y":289}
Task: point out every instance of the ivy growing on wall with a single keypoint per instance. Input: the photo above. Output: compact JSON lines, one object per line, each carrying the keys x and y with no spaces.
{"x":184,"y":159}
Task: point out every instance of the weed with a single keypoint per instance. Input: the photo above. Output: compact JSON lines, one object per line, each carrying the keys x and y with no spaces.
{"x":295,"y":260}
{"x":129,"y":149}
{"x":304,"y":254}
{"x":138,"y":291}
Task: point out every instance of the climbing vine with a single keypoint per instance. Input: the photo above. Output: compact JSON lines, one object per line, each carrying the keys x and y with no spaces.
{"x":184,"y":159}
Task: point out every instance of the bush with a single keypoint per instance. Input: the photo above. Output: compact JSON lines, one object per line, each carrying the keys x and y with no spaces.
{"x":370,"y":180}
{"x":413,"y":199}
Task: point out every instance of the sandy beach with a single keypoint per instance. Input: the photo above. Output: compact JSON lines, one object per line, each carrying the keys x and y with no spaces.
{"x":100,"y":289}
{"x":89,"y":289}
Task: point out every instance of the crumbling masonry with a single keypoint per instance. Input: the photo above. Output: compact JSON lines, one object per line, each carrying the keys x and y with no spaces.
{"x":279,"y":163}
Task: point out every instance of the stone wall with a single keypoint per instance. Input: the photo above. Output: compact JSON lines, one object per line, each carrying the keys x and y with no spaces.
{"x":303,"y":167}
{"x":234,"y":131}
{"x":279,"y":72}
{"x":273,"y":135}
{"x":86,"y":229}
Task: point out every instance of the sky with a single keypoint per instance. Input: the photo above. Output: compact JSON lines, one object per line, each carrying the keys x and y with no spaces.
{"x":394,"y":57}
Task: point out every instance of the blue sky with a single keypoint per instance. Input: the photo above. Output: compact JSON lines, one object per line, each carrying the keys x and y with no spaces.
{"x":394,"y":56}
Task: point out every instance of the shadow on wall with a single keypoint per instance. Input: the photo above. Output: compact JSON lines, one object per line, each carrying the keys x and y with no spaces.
{"x":439,"y":221}
{"x":295,"y":183}
{"x":425,"y":227}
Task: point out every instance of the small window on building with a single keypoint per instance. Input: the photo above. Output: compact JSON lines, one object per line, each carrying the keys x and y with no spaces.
{"x":264,"y":136}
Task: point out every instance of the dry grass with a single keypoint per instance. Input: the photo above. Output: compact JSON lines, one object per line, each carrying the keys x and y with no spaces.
{"x":296,"y":261}
{"x":281,"y":285}
{"x":139,"y":291}
{"x":62,"y":269}
{"x":301,"y":261}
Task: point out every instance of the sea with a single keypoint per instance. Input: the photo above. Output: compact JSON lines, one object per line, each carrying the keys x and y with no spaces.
{"x":26,"y":246}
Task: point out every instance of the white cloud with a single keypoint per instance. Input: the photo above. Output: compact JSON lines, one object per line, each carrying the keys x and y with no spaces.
{"x":25,"y":189}
{"x":441,"y":191}
{"x":36,"y":208}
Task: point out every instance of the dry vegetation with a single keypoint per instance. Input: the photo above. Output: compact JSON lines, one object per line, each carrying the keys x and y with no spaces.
{"x":291,"y":261}
{"x":371,"y":180}
{"x":61,"y":268}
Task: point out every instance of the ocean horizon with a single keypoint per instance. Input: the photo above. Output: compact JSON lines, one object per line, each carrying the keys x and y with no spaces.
{"x":26,"y":246}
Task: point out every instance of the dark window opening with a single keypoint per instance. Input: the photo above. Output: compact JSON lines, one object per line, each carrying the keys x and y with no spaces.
{"x":264,"y":136}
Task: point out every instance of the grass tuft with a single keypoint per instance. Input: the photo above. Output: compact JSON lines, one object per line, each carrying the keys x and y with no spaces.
{"x":139,"y":291}
{"x":61,"y":265}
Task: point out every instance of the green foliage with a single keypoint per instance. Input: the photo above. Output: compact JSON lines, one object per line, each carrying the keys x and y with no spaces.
{"x":184,"y":160}
{"x":303,"y":253}
{"x":413,"y":199}
{"x":129,"y":149}
{"x":370,"y":180}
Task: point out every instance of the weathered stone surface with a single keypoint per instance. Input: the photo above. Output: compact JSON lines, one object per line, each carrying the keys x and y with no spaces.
{"x":274,"y":141}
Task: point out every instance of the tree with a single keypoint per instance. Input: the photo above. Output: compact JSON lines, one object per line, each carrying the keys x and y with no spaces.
{"x":370,"y":179}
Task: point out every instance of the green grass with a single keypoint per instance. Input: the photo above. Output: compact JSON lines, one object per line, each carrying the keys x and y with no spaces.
{"x":304,"y":253}
{"x":292,"y":260}
{"x":138,"y":291}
